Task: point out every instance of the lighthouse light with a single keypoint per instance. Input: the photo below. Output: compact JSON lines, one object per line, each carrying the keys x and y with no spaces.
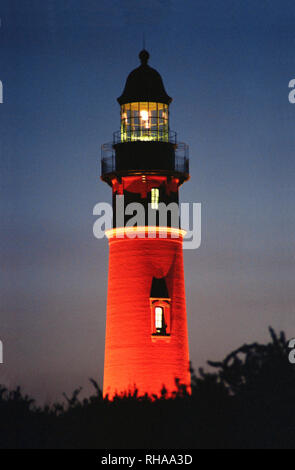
{"x":144,"y":115}
{"x":145,"y":121}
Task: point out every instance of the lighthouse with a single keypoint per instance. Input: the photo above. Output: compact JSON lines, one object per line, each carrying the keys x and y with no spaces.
{"x":146,"y":344}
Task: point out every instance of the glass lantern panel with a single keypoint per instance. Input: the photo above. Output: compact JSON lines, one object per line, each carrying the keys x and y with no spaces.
{"x":145,"y":121}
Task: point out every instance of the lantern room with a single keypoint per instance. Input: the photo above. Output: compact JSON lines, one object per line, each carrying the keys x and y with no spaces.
{"x":144,"y":144}
{"x":145,"y":121}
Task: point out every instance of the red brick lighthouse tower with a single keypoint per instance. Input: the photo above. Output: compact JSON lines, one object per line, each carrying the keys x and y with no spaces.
{"x":146,"y":331}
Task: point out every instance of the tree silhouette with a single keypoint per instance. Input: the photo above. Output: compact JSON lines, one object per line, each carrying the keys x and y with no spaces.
{"x":244,"y":401}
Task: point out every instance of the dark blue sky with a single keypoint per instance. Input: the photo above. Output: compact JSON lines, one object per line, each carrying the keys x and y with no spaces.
{"x":227,"y":66}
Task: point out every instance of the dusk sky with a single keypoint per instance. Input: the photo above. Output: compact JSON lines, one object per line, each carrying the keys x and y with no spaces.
{"x":63,"y":63}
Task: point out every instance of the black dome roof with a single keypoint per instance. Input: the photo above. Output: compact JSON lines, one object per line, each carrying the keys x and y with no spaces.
{"x":144,"y":84}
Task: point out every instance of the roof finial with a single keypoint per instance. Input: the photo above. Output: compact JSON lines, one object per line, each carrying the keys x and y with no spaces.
{"x":144,"y":57}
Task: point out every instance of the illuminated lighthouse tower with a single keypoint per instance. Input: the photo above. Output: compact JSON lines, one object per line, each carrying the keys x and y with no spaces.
{"x":146,"y":330}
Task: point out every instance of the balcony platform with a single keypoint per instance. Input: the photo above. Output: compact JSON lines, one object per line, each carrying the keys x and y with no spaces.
{"x":150,"y":157}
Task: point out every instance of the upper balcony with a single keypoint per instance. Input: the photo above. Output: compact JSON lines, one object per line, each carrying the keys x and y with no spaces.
{"x":148,"y":153}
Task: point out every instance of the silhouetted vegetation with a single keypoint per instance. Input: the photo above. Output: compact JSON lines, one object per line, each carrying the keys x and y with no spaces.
{"x":247,"y":402}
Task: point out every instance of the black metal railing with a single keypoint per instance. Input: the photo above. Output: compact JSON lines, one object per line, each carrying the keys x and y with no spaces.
{"x":181,"y":150}
{"x":144,"y":135}
{"x":181,"y":161}
{"x":108,"y":165}
{"x":107,"y":151}
{"x":181,"y":165}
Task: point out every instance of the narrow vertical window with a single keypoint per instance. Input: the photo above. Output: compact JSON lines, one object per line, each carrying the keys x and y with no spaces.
{"x":159,"y":318}
{"x":160,"y":324}
{"x":155,"y":195}
{"x":160,"y":304}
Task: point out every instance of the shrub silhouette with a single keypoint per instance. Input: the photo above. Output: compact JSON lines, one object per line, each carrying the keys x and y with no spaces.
{"x":246,"y":401}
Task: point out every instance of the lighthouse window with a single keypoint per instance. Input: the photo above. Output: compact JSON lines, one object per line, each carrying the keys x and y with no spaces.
{"x":155,"y":196}
{"x":160,"y":309}
{"x":161,"y":320}
{"x":159,"y":317}
{"x":160,"y":325}
{"x":144,"y":121}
